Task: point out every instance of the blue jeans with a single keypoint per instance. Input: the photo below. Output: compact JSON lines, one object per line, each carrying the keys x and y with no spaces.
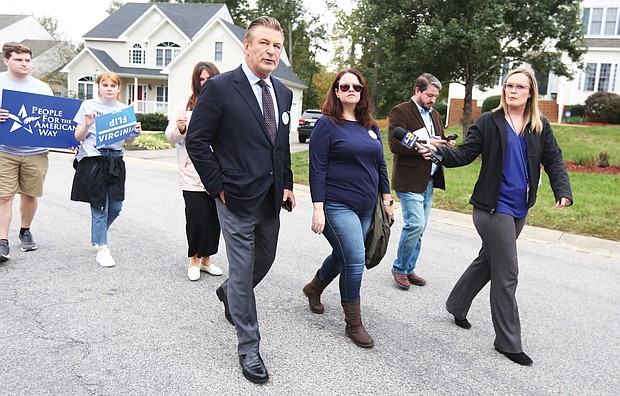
{"x":103,"y":219}
{"x":345,"y":230}
{"x":416,"y":209}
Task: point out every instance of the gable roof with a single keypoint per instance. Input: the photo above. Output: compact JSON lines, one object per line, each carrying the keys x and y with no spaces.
{"x":111,"y":65}
{"x":188,"y":17}
{"x":8,"y":20}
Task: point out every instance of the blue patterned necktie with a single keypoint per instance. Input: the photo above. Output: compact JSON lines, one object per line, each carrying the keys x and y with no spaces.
{"x":268,"y":111}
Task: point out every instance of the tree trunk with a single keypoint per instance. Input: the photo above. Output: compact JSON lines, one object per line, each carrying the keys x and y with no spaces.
{"x":466,"y":121}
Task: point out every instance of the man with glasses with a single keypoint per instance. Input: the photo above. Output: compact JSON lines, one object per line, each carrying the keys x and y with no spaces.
{"x":22,"y":169}
{"x":413,"y":178}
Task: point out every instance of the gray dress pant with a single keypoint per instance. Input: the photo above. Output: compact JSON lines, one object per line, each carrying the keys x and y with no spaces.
{"x":496,"y":262}
{"x":251,"y":242}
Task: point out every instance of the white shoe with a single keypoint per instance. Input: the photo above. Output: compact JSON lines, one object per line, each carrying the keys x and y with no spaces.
{"x":193,"y":272}
{"x":104,"y":258}
{"x":211,"y":269}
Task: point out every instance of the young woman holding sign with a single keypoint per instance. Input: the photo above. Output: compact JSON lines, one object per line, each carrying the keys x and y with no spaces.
{"x":100,"y":172}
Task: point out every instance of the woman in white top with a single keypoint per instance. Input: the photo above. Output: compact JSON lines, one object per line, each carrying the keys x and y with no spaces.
{"x":100,"y":173}
{"x":202,"y":224}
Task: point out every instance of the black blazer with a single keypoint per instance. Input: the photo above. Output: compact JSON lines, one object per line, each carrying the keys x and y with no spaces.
{"x":228,"y":142}
{"x":489,"y":136}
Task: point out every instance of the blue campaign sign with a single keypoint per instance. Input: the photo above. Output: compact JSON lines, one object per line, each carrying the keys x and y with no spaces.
{"x":38,"y":120}
{"x":116,"y":126}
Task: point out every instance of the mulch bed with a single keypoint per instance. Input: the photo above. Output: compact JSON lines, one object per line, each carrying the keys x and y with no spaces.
{"x":610,"y":170}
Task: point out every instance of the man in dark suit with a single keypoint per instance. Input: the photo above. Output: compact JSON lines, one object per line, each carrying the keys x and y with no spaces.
{"x":413,"y":178}
{"x":238,"y":140}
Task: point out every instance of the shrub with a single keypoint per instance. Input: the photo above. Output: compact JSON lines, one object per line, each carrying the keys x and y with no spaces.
{"x":603,"y":107}
{"x":490,"y":103}
{"x":147,"y":141}
{"x":577,"y":110}
{"x":152,"y":121}
{"x":442,"y":109}
{"x":603,"y":159}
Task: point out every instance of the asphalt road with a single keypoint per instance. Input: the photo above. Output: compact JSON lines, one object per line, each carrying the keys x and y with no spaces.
{"x":70,"y":327}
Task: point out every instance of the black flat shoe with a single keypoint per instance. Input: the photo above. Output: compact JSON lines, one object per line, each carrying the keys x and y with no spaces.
{"x":519,"y":358}
{"x":222,"y":297}
{"x":463,"y":323}
{"x":254,"y":368}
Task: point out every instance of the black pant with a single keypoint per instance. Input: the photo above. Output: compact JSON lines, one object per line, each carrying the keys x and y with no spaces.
{"x":202,"y":225}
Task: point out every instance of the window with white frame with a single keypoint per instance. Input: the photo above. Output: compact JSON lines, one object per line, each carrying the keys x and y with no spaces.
{"x":590,"y":77}
{"x":600,"y":77}
{"x":137,"y":55}
{"x":166,"y":52}
{"x":86,"y":87}
{"x":162,"y":93}
{"x":601,"y":21}
{"x":604,"y":77}
{"x":610,"y":22}
{"x":219,"y":51}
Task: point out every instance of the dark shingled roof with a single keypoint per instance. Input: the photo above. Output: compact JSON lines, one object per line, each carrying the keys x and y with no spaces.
{"x":603,"y":42}
{"x":8,"y":20}
{"x":188,"y":17}
{"x":111,"y":65}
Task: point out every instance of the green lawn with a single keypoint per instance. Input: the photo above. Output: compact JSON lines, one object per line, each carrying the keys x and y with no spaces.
{"x":597,"y":197}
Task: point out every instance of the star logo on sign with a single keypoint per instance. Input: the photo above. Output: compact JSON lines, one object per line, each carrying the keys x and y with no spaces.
{"x":22,"y":120}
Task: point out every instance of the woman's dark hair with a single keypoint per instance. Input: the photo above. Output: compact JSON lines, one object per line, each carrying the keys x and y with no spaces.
{"x":198,"y":69}
{"x":333,"y":108}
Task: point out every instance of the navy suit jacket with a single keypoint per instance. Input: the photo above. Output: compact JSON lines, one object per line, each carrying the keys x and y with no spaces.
{"x":228,"y":143}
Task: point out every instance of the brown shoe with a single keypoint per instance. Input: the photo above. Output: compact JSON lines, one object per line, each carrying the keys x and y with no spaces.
{"x":416,"y":280}
{"x":401,"y":280}
{"x":355,"y":329}
{"x":313,"y":291}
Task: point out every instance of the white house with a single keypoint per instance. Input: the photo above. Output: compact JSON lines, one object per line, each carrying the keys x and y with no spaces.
{"x":153,"y":48}
{"x":600,"y":72}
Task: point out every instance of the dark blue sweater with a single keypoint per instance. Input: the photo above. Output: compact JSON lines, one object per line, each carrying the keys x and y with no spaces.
{"x":347,"y":165}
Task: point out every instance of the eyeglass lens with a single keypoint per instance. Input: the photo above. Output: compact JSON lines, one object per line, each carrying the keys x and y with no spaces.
{"x":346,"y":87}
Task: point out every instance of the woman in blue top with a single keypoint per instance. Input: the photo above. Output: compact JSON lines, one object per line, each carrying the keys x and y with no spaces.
{"x":347,"y":172}
{"x":514,"y":140}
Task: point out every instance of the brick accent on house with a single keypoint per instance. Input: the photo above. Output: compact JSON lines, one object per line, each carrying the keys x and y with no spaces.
{"x":548,"y":107}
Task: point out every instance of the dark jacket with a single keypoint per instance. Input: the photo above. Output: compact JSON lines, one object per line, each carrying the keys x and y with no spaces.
{"x":488,"y":136}
{"x":411,"y":172}
{"x":93,"y":176}
{"x":228,"y":142}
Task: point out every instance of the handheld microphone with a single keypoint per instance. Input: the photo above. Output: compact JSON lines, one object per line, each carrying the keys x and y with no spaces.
{"x":410,"y":140}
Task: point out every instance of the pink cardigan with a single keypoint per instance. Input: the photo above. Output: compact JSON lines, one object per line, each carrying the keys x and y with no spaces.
{"x":188,"y":177}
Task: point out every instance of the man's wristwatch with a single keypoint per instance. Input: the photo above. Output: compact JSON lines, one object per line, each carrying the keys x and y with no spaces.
{"x":388,"y":203}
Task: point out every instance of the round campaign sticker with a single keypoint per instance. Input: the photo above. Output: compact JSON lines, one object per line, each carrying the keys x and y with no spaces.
{"x":285,"y":118}
{"x":372,"y":134}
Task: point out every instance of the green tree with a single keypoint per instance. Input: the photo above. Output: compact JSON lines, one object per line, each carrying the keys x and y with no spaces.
{"x":303,"y":35}
{"x":464,"y":41}
{"x":470,"y":41}
{"x":114,"y":6}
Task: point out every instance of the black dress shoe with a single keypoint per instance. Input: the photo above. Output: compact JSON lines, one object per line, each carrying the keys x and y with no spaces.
{"x":464,"y":323}
{"x":254,"y":368}
{"x":222,"y":297}
{"x":519,"y":358}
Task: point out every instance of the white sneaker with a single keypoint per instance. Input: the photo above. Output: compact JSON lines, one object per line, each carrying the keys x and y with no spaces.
{"x":193,"y":272}
{"x":211,"y":269}
{"x":104,"y":258}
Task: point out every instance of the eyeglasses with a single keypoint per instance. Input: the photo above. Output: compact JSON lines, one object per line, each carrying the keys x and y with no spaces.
{"x":519,"y":88}
{"x":346,"y":87}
